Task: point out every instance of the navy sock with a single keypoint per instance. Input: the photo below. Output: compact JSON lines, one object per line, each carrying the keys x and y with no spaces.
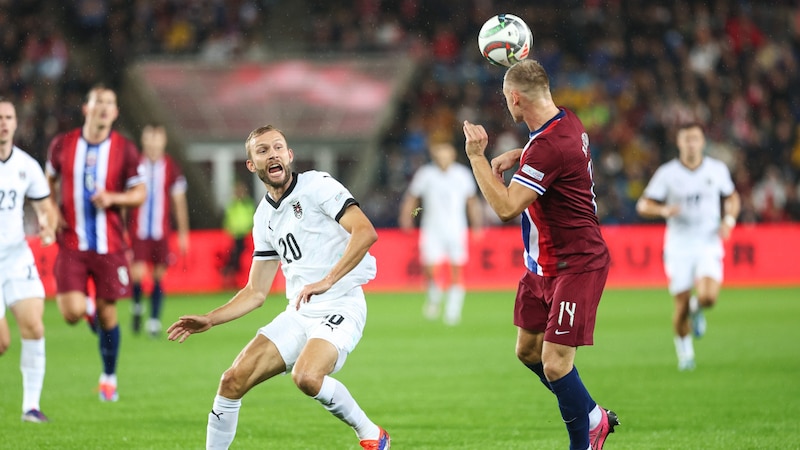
{"x":109,"y":349}
{"x":137,"y":297}
{"x":538,"y":369}
{"x":155,"y":300}
{"x":574,"y":401}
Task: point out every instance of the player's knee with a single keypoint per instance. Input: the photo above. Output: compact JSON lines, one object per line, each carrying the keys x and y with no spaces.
{"x":707,"y":301}
{"x":307,"y":382}
{"x":528,"y":355}
{"x":232,"y":385}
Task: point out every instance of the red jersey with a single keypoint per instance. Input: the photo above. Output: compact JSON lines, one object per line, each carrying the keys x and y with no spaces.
{"x":560,"y":230}
{"x":83,"y":169}
{"x":151,"y":220}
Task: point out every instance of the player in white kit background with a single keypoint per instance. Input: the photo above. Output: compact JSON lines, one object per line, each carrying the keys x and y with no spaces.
{"x":21,"y":289}
{"x":447,"y":193}
{"x":309,"y":225}
{"x":697,"y":197}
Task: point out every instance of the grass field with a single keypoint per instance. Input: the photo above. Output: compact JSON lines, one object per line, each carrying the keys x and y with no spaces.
{"x":434,"y":387}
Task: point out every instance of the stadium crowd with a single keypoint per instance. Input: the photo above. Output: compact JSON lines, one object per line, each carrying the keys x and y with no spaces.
{"x":631,"y":70}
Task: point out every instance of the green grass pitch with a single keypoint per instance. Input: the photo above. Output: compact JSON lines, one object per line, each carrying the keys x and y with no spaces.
{"x":432,"y":386}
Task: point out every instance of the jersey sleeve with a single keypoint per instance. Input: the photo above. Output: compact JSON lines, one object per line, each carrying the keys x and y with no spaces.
{"x":177,"y":183}
{"x":333,"y":198}
{"x":134,"y":169}
{"x":417,"y":186}
{"x":38,"y":188}
{"x":726,"y":187}
{"x":540,"y":165}
{"x":262,"y":249}
{"x":657,"y":189}
{"x":53,"y":164}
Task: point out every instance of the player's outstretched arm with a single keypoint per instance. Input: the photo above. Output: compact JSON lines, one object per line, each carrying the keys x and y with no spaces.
{"x":651,"y":209}
{"x":362,"y":236}
{"x":250,"y":297}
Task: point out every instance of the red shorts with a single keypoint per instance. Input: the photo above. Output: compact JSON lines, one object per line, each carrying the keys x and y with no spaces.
{"x":109,"y":272}
{"x":153,"y":251}
{"x":564,"y":306}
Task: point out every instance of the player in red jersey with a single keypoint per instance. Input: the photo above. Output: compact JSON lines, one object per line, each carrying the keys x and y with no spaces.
{"x":94,"y":172}
{"x":566,"y":258}
{"x":150,"y":223}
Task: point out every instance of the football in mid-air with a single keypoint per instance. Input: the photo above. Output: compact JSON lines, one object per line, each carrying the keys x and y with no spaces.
{"x":505,"y":39}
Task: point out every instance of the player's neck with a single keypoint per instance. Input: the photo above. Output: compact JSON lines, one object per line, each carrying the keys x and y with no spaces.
{"x":276,"y":192}
{"x":691,"y":165}
{"x":5,"y":151}
{"x":540,"y":114}
{"x":95,"y":134}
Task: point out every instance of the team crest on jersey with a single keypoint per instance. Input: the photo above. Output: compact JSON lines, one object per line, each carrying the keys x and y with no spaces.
{"x":298,"y":210}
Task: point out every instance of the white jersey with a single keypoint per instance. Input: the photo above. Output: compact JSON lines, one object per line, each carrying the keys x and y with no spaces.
{"x":21,"y":177}
{"x":302,"y":230}
{"x":444,"y":195}
{"x":698,"y":194}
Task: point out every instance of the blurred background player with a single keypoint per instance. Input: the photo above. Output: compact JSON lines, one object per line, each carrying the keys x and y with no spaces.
{"x":311,"y":227}
{"x":150,"y":224}
{"x":238,"y":223}
{"x":95,"y":173}
{"x":21,"y":289}
{"x":687,"y":192}
{"x":447,"y":192}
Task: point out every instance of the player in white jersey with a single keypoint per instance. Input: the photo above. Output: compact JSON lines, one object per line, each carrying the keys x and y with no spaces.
{"x":687,"y":192}
{"x":21,"y":289}
{"x":310,"y":225}
{"x":447,"y":192}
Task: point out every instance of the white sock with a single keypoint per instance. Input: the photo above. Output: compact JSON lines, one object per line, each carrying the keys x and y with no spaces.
{"x":694,"y":305}
{"x":222,"y":421}
{"x":108,"y":379}
{"x":434,"y":293}
{"x":679,"y":348}
{"x":594,"y":417}
{"x":31,"y":364}
{"x":334,"y":397}
{"x":455,"y":302}
{"x":688,"y":346}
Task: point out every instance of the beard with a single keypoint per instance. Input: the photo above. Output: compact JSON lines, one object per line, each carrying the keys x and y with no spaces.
{"x":263,"y":174}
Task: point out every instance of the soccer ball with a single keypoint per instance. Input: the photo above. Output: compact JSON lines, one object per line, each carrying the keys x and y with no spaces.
{"x":505,"y":40}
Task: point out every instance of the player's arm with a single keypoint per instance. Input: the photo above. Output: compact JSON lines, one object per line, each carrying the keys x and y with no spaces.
{"x":252,"y":296}
{"x":181,"y":209}
{"x":408,"y":210}
{"x":362,"y":236}
{"x":652,"y":209}
{"x":47,"y":216}
{"x":130,"y":198}
{"x":731,"y":207}
{"x":505,"y":161}
{"x":507,"y":202}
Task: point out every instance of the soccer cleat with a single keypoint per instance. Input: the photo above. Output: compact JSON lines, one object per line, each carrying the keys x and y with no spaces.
{"x":35,"y":416}
{"x":108,"y":392}
{"x":153,"y":327}
{"x":137,"y":323}
{"x":382,"y":443}
{"x":597,"y":436}
{"x":430,"y":310}
{"x":685,"y":365}
{"x":698,"y":323}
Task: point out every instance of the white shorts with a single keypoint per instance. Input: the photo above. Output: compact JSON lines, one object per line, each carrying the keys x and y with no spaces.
{"x":340,"y":322}
{"x":436,"y":248}
{"x":19,"y":278}
{"x":684,"y":267}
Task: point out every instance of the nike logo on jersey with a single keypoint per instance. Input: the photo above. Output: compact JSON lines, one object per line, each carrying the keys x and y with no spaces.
{"x":559,"y":332}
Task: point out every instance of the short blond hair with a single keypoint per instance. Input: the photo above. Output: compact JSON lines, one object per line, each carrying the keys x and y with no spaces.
{"x":528,"y":77}
{"x":258,"y":132}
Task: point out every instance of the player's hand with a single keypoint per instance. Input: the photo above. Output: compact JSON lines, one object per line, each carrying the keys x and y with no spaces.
{"x":725,"y":231}
{"x":311,"y":289}
{"x":183,"y":243}
{"x":187,"y":326}
{"x":46,"y":236}
{"x":503,"y":162}
{"x":102,"y":199}
{"x":476,"y":139}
